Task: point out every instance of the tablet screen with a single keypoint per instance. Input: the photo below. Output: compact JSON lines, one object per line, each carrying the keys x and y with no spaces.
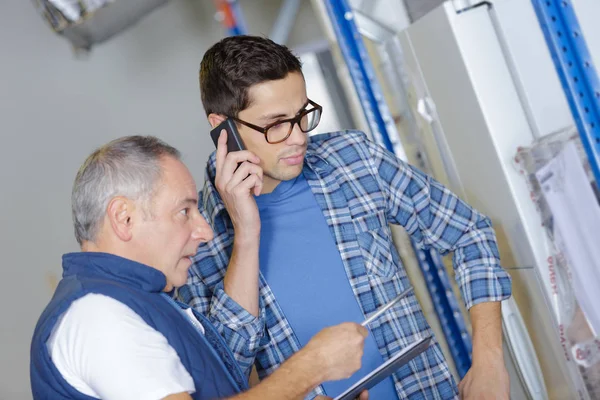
{"x":385,"y":369}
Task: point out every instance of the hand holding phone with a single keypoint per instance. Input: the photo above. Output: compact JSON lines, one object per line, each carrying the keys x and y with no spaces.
{"x":234,"y":140}
{"x":238,"y":178}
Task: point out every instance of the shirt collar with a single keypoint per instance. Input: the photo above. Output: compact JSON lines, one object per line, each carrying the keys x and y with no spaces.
{"x":212,"y":203}
{"x":114,"y":268}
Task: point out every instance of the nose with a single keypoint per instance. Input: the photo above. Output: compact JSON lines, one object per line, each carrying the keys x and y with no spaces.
{"x":202,"y":231}
{"x":297,"y":137}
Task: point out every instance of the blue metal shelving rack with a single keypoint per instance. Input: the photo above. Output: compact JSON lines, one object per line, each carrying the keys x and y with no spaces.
{"x":382,"y":127}
{"x":575,"y":70}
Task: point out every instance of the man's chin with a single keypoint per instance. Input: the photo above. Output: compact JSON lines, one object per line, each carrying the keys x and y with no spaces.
{"x":181,"y":274}
{"x":294,"y":175}
{"x":289,"y":172}
{"x":178,"y":282}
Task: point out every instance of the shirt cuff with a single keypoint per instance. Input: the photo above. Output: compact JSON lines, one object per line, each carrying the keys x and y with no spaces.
{"x":483,"y":283}
{"x":235,"y":317}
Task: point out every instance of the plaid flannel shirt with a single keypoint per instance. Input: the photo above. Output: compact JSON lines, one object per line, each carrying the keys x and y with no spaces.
{"x":361,"y":187}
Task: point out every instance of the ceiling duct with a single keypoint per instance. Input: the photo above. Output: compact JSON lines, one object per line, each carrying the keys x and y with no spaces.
{"x":86,"y":23}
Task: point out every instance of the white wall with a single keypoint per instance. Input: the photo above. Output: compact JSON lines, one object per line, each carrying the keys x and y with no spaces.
{"x":54,"y":110}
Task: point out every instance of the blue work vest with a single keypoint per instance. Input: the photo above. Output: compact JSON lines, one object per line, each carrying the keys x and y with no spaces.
{"x":206,"y":357}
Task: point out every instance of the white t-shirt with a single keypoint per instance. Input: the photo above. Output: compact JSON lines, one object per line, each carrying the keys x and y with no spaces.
{"x":105,"y":350}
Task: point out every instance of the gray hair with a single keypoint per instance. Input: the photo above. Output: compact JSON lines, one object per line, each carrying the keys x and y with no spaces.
{"x":128,"y":167}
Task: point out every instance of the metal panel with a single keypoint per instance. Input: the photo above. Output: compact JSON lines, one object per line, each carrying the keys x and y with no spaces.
{"x":532,"y":62}
{"x":418,"y":8}
{"x":465,"y":74}
{"x":285,"y":21}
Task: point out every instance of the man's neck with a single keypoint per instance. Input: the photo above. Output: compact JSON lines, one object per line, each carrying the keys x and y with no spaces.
{"x":105,"y":247}
{"x":91,"y":247}
{"x":102,"y":247}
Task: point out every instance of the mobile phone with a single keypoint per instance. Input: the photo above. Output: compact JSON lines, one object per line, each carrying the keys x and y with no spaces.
{"x":234,"y":140}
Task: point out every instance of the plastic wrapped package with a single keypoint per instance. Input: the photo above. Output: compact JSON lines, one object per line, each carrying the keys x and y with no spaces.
{"x":581,"y":346}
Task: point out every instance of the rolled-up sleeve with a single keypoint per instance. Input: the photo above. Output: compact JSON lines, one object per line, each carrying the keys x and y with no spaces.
{"x":437,"y":218}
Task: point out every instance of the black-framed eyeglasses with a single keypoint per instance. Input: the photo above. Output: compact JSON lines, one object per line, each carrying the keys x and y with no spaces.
{"x":277,"y":132}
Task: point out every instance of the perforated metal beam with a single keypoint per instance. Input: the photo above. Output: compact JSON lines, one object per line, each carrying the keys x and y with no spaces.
{"x":576,"y":71}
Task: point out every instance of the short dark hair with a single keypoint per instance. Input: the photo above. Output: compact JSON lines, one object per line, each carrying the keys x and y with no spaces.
{"x":234,"y":64}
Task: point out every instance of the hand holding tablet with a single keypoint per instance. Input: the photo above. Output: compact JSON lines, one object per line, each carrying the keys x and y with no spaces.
{"x":385,"y":369}
{"x":390,"y":366}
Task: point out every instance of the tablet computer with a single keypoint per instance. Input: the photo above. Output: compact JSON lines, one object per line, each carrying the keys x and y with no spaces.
{"x":385,"y":369}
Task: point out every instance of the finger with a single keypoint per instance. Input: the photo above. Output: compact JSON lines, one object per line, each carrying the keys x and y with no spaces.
{"x":233,"y":159}
{"x":248,"y":184}
{"x":239,"y":183}
{"x":360,"y":353}
{"x":362,"y":330}
{"x":258,"y":188}
{"x":364,"y":395}
{"x":255,"y":185}
{"x":246,"y":168}
{"x":221,"y":151}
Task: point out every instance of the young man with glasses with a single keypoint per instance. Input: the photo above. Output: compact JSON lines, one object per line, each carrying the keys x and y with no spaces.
{"x":302,"y":238}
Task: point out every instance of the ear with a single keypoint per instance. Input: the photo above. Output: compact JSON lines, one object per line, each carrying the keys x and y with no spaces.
{"x":215,"y":119}
{"x":120,"y":213}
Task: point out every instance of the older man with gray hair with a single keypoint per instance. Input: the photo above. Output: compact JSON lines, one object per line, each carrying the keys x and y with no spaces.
{"x":113,"y":331}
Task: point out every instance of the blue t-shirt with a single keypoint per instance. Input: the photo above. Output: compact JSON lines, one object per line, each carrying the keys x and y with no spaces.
{"x":301,"y":263}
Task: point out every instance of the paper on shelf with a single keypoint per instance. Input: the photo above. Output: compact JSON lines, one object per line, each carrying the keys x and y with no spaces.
{"x":576,"y":215}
